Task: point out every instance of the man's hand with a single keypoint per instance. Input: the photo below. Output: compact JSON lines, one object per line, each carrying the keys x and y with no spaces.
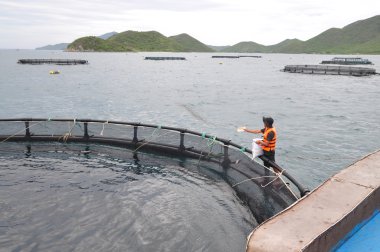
{"x":262,"y":143}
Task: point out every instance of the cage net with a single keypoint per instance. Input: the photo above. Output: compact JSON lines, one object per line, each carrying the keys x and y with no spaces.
{"x":265,"y":192}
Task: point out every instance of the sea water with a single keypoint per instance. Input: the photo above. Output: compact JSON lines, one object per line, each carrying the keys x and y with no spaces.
{"x":324,"y":123}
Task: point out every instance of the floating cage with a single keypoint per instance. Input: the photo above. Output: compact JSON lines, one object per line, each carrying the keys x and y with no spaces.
{"x":250,"y":56}
{"x":165,"y":58}
{"x":234,"y":56}
{"x":264,"y":192}
{"x":331,"y":70}
{"x":224,"y":57}
{"x":53,"y":61}
{"x":347,"y":61}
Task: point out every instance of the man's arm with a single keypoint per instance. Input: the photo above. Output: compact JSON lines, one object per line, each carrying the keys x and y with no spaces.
{"x":253,"y":131}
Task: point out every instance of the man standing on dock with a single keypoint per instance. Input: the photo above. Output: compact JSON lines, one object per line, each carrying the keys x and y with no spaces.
{"x":268,"y":144}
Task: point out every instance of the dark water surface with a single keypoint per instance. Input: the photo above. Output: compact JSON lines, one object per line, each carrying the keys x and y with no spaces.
{"x":324,"y":124}
{"x":62,"y":200}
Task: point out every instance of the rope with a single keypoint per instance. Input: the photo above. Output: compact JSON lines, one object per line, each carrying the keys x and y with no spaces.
{"x":276,"y":177}
{"x":79,"y":125}
{"x":201,"y":119}
{"x":30,"y":126}
{"x":210,"y":143}
{"x":287,"y":186}
{"x":243,"y":150}
{"x":152,"y":137}
{"x":66,"y":136}
{"x":101,"y":132}
{"x":254,"y":178}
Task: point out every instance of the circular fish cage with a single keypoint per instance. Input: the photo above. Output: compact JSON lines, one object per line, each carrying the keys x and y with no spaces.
{"x":143,"y":148}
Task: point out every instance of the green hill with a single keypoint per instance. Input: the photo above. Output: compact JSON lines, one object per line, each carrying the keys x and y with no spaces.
{"x":190,"y":44}
{"x":146,"y":41}
{"x":150,"y":41}
{"x":246,"y":47}
{"x":361,"y":37}
{"x":288,"y":45}
{"x":95,"y":44}
{"x":358,"y":37}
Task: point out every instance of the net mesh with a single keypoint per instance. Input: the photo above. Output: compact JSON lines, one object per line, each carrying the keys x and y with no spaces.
{"x":261,"y":189}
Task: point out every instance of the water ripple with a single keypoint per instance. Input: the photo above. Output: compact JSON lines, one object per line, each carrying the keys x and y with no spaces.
{"x":63,"y":202}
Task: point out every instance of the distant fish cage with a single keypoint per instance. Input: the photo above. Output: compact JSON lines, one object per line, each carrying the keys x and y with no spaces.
{"x":347,"y":61}
{"x":331,"y":70}
{"x":224,"y":56}
{"x":53,"y":61}
{"x":234,"y":56}
{"x":249,"y":56}
{"x":165,"y":58}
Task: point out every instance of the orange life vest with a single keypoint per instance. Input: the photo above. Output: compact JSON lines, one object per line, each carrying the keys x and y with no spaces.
{"x":271,"y":144}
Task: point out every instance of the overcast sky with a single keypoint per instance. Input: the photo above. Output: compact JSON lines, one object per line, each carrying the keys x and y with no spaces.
{"x":34,"y":23}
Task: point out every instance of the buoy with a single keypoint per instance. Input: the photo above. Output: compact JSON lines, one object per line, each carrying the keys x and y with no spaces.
{"x":54,"y":72}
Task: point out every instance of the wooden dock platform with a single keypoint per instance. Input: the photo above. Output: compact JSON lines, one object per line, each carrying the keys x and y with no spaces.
{"x":320,"y":220}
{"x":165,"y":58}
{"x":53,"y":61}
{"x":331,"y":70}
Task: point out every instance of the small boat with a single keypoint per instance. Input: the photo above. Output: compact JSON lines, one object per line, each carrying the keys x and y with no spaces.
{"x":54,"y":72}
{"x":347,"y":61}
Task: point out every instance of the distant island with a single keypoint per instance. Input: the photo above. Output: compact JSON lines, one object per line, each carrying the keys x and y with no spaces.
{"x":60,"y":46}
{"x":361,"y":37}
{"x":133,"y":41}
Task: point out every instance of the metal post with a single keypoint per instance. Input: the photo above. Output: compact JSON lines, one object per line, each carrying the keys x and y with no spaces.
{"x":27,"y":131}
{"x":135,"y":140}
{"x":86,"y":136}
{"x":182,"y":141}
{"x":226,"y":159}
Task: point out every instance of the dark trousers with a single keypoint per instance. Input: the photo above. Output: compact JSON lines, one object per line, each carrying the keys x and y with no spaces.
{"x":270,"y":155}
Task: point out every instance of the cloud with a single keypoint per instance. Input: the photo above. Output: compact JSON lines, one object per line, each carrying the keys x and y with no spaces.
{"x":32,"y":23}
